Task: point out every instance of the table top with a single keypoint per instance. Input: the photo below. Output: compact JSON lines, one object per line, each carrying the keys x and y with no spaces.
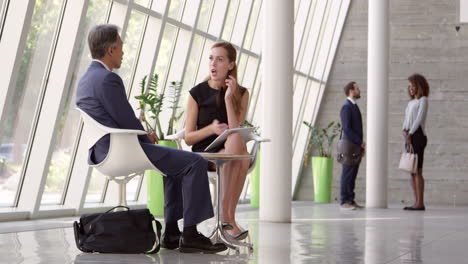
{"x":223,"y":156}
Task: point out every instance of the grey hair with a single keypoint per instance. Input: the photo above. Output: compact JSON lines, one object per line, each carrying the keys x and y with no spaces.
{"x":100,"y":38}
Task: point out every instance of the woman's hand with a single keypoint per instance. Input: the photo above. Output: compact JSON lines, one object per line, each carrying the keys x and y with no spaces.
{"x":231,"y":86}
{"x":218,"y":128}
{"x":408,"y":139}
{"x":153,"y":138}
{"x":405,"y":133}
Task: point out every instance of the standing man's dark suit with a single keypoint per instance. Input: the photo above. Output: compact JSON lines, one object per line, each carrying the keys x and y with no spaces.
{"x":351,"y":121}
{"x":101,"y":94}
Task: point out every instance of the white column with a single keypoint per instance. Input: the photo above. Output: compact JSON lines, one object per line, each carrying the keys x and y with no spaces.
{"x":377,"y":105}
{"x":277,"y":92}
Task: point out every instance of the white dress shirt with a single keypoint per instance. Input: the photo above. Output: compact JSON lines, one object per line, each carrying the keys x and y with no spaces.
{"x":103,"y":64}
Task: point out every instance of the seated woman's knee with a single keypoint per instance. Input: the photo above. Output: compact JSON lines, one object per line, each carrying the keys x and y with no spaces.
{"x":235,"y":138}
{"x":235,"y":144}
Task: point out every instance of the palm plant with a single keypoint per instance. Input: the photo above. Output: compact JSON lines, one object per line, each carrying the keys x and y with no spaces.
{"x":151,"y":101}
{"x":174,"y":95}
{"x":320,"y":136}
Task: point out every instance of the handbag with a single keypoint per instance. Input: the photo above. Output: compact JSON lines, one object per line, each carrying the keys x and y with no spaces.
{"x":409,"y":160}
{"x":348,"y":153}
{"x":129,"y":231}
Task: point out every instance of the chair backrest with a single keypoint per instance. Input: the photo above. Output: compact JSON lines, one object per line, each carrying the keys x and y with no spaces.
{"x":125,"y":154}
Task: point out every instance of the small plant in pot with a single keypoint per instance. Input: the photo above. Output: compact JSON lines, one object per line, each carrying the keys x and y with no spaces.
{"x":321,"y":141}
{"x":151,"y":105}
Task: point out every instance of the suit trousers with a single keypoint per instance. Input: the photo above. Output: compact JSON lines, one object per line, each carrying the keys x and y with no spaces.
{"x":186,"y":190}
{"x":348,"y":181}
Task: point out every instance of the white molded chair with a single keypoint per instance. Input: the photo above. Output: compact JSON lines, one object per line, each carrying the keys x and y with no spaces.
{"x":125,"y":160}
{"x":178,"y":137}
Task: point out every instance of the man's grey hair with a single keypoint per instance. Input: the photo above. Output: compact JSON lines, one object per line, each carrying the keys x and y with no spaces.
{"x":100,"y":38}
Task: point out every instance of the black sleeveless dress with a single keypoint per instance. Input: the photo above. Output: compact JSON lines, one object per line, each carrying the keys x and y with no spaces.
{"x":209,"y":109}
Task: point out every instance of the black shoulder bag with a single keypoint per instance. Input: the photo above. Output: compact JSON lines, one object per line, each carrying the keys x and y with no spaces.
{"x":129,"y":231}
{"x":348,"y":153}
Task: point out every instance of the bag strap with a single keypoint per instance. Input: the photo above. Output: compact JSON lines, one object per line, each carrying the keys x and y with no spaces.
{"x":119,"y":206}
{"x":90,"y":224}
{"x":410,"y":149}
{"x":157,"y":242}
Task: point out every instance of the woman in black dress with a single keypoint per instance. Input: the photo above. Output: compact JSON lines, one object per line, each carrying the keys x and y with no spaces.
{"x":414,"y":132}
{"x":215,"y":105}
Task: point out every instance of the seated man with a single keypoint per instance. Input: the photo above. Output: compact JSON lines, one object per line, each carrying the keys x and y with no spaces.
{"x":101,"y":94}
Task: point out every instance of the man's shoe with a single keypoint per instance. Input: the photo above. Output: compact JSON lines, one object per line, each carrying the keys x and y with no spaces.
{"x":357,"y":205}
{"x":347,"y":206}
{"x":199,"y":244}
{"x":170,"y":241}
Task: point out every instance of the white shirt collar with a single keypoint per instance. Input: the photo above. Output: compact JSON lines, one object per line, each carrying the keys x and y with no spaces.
{"x":103,"y":64}
{"x":351,"y":100}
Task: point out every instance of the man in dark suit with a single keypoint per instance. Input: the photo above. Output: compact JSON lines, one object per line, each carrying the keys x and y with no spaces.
{"x":351,"y":121}
{"x":101,"y":94}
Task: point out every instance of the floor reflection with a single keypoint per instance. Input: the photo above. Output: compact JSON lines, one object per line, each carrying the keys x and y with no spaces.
{"x":318,"y":233}
{"x":411,"y":243}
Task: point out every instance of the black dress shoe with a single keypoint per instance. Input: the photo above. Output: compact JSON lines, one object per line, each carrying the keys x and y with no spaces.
{"x":170,"y":241}
{"x":199,"y":244}
{"x":407,"y":208}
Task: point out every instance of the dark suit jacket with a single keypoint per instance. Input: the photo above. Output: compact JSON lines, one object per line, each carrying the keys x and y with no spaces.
{"x":351,"y":122}
{"x":101,"y":94}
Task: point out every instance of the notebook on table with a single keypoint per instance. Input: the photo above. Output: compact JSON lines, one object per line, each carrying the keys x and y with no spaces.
{"x":244,"y":132}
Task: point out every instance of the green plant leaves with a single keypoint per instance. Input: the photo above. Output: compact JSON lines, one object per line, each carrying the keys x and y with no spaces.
{"x":319,"y":136}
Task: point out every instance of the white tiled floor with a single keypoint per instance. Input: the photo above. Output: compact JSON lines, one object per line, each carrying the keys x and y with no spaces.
{"x":319,"y":233}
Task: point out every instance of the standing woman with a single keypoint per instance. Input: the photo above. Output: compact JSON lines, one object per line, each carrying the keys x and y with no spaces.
{"x":215,"y":105}
{"x":415,"y":134}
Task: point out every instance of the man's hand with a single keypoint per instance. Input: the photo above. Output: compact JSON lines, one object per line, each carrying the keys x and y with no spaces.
{"x":218,"y":128}
{"x":363,"y":146}
{"x":153,"y":138}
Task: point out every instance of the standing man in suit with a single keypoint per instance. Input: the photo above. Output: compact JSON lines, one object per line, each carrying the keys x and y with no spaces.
{"x":351,"y":121}
{"x":101,"y":94}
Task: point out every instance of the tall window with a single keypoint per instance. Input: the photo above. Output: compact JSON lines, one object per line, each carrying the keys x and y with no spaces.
{"x":21,"y":112}
{"x":61,"y":160}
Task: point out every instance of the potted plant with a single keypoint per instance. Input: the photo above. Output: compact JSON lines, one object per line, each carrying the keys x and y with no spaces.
{"x":151,"y":104}
{"x":321,"y":141}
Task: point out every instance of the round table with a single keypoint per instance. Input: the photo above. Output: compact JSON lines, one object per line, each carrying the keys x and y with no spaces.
{"x":218,"y":234}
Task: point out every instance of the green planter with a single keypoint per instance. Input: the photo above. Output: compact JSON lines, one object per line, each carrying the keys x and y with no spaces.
{"x":155,"y":185}
{"x":255,"y":184}
{"x":322,"y":171}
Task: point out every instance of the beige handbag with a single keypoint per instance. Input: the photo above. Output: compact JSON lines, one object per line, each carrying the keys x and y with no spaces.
{"x":409,"y":161}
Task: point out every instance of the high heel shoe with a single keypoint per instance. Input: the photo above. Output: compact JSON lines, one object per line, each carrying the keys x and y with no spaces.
{"x":227,"y":226}
{"x":240,"y":236}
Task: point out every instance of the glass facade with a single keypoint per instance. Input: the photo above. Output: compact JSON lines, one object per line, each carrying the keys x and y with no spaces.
{"x":169,"y":38}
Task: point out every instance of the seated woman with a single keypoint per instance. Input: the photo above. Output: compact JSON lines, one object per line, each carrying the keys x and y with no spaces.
{"x":215,"y":105}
